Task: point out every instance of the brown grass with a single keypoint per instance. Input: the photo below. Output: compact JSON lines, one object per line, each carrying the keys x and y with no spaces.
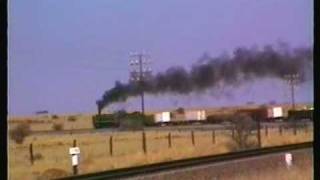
{"x":127,"y":150}
{"x":46,"y":123}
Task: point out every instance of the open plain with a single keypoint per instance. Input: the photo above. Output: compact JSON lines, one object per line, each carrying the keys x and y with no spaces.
{"x":52,"y":159}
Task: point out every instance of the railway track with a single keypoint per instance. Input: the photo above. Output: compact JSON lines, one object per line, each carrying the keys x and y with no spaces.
{"x":160,"y":167}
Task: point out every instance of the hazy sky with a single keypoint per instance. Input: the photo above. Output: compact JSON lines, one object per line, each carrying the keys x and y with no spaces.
{"x":64,"y":54}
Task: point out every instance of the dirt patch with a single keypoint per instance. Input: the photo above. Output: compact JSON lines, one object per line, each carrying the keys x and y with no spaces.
{"x":52,"y":174}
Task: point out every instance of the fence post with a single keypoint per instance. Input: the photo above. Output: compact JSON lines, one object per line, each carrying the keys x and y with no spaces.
{"x":192,"y":138}
{"x":306,"y":128}
{"x":232,"y":131}
{"x":31,"y":153}
{"x":110,"y":146}
{"x":266,"y":130}
{"x":75,"y":168}
{"x":295,"y":128}
{"x":144,"y":143}
{"x":259,"y":132}
{"x":169,"y":139}
{"x":213,"y":137}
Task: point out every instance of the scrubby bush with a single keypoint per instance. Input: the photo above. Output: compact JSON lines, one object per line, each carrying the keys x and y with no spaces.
{"x":57,"y":127}
{"x":55,"y":116}
{"x":243,"y":126}
{"x":37,"y":156}
{"x":19,"y":133}
{"x":29,"y":121}
{"x":72,"y":118}
{"x":53,"y":174}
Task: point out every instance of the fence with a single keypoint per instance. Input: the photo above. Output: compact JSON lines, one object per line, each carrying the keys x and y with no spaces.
{"x":128,"y":143}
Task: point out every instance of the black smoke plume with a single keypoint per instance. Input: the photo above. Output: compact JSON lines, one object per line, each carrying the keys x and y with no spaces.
{"x":245,"y":65}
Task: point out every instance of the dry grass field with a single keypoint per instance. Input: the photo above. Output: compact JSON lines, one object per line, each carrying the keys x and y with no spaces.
{"x":51,"y":151}
{"x":46,"y":123}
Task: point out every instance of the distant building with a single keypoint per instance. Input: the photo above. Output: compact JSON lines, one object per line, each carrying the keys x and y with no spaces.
{"x":43,"y":113}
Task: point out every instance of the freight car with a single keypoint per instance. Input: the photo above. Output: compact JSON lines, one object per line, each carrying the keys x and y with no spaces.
{"x":219,"y":118}
{"x":264,"y":113}
{"x":181,"y":117}
{"x":306,"y":114}
{"x":162,"y":118}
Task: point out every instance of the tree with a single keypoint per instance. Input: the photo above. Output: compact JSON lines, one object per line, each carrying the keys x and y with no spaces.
{"x":243,"y":125}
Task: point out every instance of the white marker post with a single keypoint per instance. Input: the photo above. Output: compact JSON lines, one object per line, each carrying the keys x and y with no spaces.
{"x":75,"y":153}
{"x":288,"y":159}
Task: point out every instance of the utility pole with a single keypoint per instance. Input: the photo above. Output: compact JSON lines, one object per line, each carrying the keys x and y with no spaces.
{"x":292,"y":80}
{"x":139,"y":73}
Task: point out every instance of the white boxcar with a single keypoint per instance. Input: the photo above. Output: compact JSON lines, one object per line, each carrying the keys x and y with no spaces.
{"x":162,"y":117}
{"x":195,"y":115}
{"x":275,"y":112}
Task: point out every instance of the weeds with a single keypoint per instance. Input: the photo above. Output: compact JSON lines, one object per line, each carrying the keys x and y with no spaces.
{"x":20,"y":132}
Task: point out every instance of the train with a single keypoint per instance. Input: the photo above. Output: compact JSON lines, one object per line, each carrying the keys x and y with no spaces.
{"x":183,"y":117}
{"x":305,"y":114}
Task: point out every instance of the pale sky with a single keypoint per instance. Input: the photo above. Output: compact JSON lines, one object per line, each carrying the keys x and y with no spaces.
{"x":64,"y":54}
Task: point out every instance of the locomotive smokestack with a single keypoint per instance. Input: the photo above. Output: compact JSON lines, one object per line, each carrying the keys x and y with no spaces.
{"x":99,"y":106}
